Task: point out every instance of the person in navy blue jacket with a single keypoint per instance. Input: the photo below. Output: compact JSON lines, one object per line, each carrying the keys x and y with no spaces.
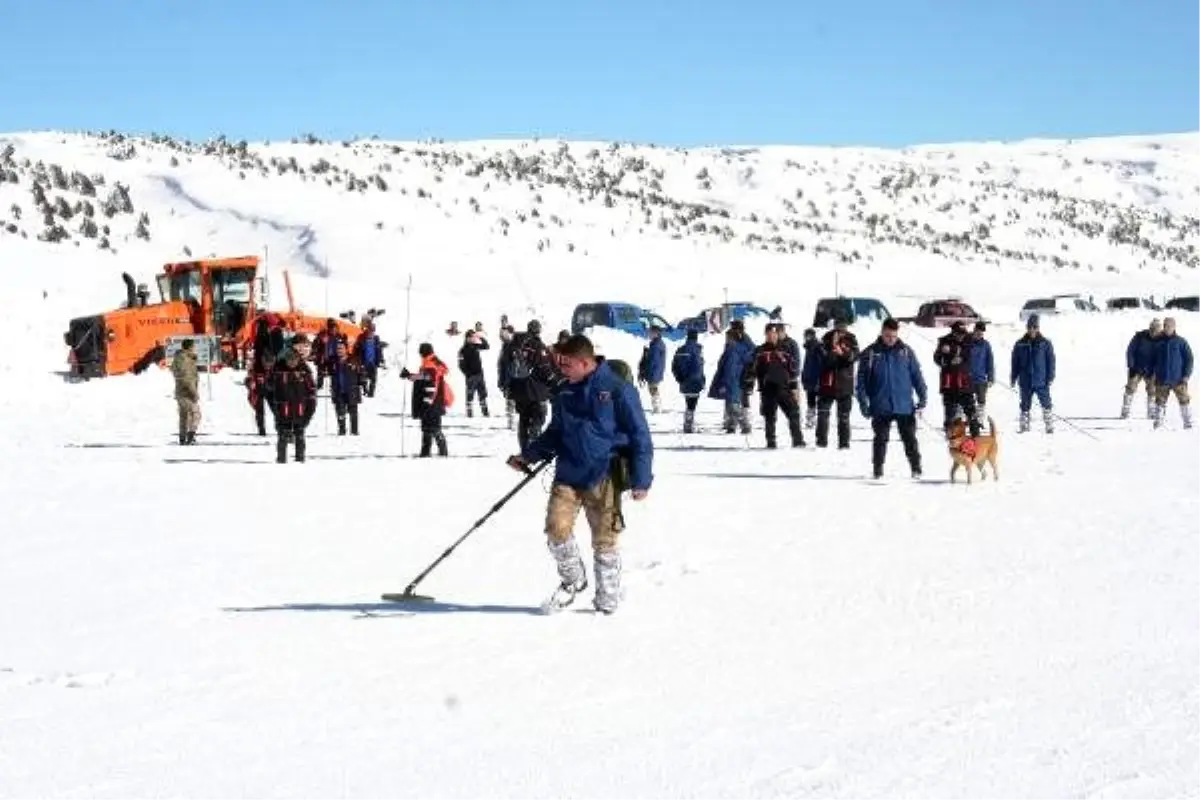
{"x":1172,"y":371}
{"x":810,"y":375}
{"x":1139,"y":361}
{"x":653,"y":366}
{"x":888,"y":376}
{"x":983,"y":369}
{"x":687,"y":367}
{"x":346,"y":379}
{"x":368,"y":350}
{"x":599,"y":435}
{"x":1033,"y":368}
{"x":729,"y":382}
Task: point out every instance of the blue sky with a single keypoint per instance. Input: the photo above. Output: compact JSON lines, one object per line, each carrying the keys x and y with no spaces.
{"x":665,"y":71}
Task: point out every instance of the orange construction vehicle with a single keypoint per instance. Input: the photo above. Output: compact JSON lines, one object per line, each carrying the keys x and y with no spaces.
{"x":217,"y":298}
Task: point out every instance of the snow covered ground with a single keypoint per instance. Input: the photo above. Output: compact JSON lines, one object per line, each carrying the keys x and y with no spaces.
{"x":201,"y":622}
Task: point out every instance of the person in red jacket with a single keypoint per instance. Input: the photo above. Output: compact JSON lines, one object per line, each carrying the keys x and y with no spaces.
{"x":431,"y":397}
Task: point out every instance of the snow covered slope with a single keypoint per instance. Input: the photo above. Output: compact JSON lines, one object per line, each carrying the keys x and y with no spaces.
{"x":200,"y":622}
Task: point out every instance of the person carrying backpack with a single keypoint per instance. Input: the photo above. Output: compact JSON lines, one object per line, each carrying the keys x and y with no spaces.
{"x":687,"y":367}
{"x":531,"y":378}
{"x":599,"y":437}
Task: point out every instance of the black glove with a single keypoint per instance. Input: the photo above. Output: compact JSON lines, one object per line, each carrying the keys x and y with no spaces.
{"x":519,"y":464}
{"x":404,"y":373}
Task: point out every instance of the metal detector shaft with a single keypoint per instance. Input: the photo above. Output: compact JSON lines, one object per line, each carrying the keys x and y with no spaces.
{"x":533,"y":473}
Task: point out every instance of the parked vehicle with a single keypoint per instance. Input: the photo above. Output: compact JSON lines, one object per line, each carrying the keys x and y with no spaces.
{"x":1185,"y":303}
{"x":1131,"y":304}
{"x":943,"y":314}
{"x":1058,"y":304}
{"x":849,"y":309}
{"x":717,"y":318}
{"x":622,"y":317}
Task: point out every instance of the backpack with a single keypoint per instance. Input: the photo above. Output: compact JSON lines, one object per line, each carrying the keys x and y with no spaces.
{"x":620,"y":470}
{"x":370,"y":349}
{"x":519,"y":367}
{"x":643,"y":363}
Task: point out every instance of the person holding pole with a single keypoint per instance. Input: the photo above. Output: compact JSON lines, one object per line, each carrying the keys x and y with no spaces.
{"x":599,"y":436}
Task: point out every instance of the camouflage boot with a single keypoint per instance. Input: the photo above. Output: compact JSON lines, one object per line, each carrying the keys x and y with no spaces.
{"x":689,"y":421}
{"x":1160,"y":413}
{"x":1149,"y":406}
{"x":1126,"y":404}
{"x":1048,"y":420}
{"x":571,"y":574}
{"x":810,"y":417}
{"x":1186,"y":413}
{"x":1023,"y":423}
{"x":607,"y":566}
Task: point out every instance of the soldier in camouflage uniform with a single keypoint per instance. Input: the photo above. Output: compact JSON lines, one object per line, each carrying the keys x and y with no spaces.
{"x":187,"y":391}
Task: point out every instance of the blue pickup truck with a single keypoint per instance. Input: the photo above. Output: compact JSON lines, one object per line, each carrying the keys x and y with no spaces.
{"x":622,"y":317}
{"x":717,"y":318}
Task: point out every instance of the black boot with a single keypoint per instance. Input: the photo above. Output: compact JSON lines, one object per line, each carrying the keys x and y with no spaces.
{"x":769,"y":425}
{"x":341,"y":426}
{"x":426,"y":445}
{"x":301,"y":446}
{"x":470,"y":410}
{"x":354,"y":421}
{"x":440,"y":438}
{"x":281,"y":448}
{"x":483,"y":407}
{"x":191,"y":437}
{"x":797,"y":433}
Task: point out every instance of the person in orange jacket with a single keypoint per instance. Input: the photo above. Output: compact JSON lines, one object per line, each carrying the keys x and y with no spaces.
{"x":430,"y":399}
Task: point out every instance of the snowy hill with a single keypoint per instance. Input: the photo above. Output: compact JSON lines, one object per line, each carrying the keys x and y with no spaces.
{"x":200,"y":622}
{"x":544,"y":224}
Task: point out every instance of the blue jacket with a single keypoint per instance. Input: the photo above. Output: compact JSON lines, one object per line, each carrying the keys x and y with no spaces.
{"x":1172,"y":360}
{"x":654,"y":362}
{"x":731,"y":369}
{"x":983,"y":363}
{"x":887,"y":378}
{"x":1139,"y":355}
{"x":813,"y":358}
{"x":370,"y":353}
{"x":1032,"y":362}
{"x":345,"y":381}
{"x":688,"y":368}
{"x":590,"y":421}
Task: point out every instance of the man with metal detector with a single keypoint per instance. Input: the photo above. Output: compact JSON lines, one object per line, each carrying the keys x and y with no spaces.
{"x":599,"y":436}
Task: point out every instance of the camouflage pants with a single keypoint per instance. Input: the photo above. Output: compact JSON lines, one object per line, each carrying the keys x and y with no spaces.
{"x":599,"y":505}
{"x":655,"y":397}
{"x":189,"y":415}
{"x":1163,"y":393}
{"x":1131,"y":385}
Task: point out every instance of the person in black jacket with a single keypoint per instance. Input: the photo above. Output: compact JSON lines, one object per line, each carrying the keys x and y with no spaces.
{"x":293,"y":398}
{"x":532,"y":379}
{"x":776,"y":368}
{"x":839,"y":352}
{"x":953,"y":355}
{"x":471,"y":365}
{"x":431,"y":398}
